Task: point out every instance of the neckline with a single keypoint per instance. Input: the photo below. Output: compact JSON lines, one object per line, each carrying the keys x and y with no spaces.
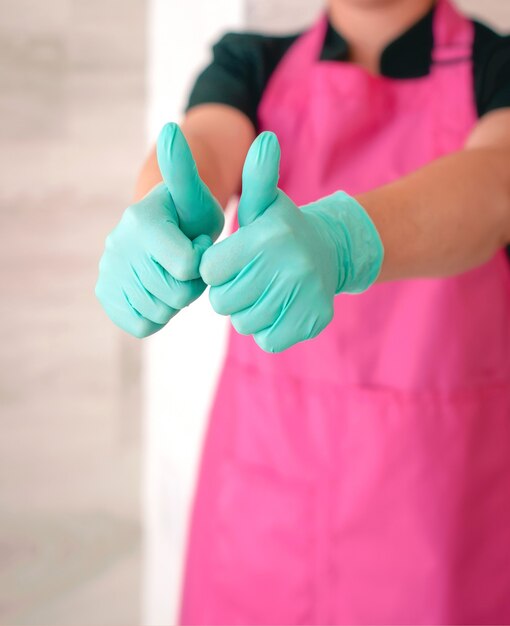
{"x":408,"y":56}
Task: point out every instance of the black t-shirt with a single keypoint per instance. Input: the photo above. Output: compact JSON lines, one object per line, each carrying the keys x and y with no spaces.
{"x":243,"y":63}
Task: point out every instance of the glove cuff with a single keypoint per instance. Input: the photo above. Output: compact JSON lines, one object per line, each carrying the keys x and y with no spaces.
{"x":359,"y":248}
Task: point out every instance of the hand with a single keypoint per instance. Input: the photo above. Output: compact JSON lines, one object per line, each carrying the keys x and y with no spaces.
{"x":150,"y":266}
{"x":278,"y":274}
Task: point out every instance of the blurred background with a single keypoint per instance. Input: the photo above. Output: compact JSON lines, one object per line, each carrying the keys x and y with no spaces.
{"x":99,"y":433}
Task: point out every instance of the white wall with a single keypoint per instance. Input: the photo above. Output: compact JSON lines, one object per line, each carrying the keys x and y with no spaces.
{"x":285,"y":16}
{"x":289,"y":15}
{"x":181,"y":362}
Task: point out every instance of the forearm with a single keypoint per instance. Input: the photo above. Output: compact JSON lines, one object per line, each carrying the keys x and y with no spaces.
{"x":445,"y":218}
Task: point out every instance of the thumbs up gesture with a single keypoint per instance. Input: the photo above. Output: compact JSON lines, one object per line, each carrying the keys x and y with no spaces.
{"x":278,"y":274}
{"x":150,"y":266}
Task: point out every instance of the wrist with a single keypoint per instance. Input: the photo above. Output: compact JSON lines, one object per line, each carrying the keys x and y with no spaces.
{"x":358,"y":246}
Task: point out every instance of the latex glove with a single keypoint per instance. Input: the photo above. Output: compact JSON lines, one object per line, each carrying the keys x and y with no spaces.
{"x":150,"y":266}
{"x":278,"y":274}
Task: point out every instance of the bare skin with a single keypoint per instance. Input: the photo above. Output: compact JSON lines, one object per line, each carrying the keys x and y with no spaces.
{"x":443,"y":219}
{"x":369,"y":25}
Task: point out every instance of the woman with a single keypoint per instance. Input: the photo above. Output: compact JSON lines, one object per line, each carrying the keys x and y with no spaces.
{"x":363,"y":475}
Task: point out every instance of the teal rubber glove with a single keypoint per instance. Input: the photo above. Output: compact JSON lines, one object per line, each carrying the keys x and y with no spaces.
{"x":150,"y":266}
{"x":278,"y":274}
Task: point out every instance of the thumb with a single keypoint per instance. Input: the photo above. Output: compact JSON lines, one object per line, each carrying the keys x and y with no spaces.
{"x":201,"y":244}
{"x":197,"y":209}
{"x":260,"y":178}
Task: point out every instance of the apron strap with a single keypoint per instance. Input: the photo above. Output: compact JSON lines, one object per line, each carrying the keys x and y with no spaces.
{"x":305,"y":51}
{"x":453,"y":35}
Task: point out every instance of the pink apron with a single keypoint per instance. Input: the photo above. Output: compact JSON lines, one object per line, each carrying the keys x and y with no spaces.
{"x":363,"y":477}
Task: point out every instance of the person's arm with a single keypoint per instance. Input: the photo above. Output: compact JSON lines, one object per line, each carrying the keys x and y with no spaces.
{"x":219,"y":137}
{"x":276,"y":277}
{"x":451,"y":215}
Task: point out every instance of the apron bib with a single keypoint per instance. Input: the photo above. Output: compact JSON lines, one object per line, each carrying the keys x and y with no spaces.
{"x":363,"y":477}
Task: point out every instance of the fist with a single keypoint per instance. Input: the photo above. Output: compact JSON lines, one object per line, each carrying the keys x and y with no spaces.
{"x":276,"y":276}
{"x":150,"y":266}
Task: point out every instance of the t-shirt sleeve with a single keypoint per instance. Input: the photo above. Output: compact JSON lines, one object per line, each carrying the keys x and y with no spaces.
{"x":492,"y":69}
{"x":241,"y":66}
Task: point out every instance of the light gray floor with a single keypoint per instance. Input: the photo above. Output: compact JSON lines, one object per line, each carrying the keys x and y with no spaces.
{"x":71,"y":133}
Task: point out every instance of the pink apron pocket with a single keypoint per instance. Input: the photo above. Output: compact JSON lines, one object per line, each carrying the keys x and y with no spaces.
{"x":422,"y":518}
{"x":262,"y":548}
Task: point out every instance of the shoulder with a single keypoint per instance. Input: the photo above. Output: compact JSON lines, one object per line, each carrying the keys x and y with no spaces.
{"x":254,"y":43}
{"x":241,"y":66}
{"x":253,"y":52}
{"x":491,"y":61}
{"x":486,"y":38}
